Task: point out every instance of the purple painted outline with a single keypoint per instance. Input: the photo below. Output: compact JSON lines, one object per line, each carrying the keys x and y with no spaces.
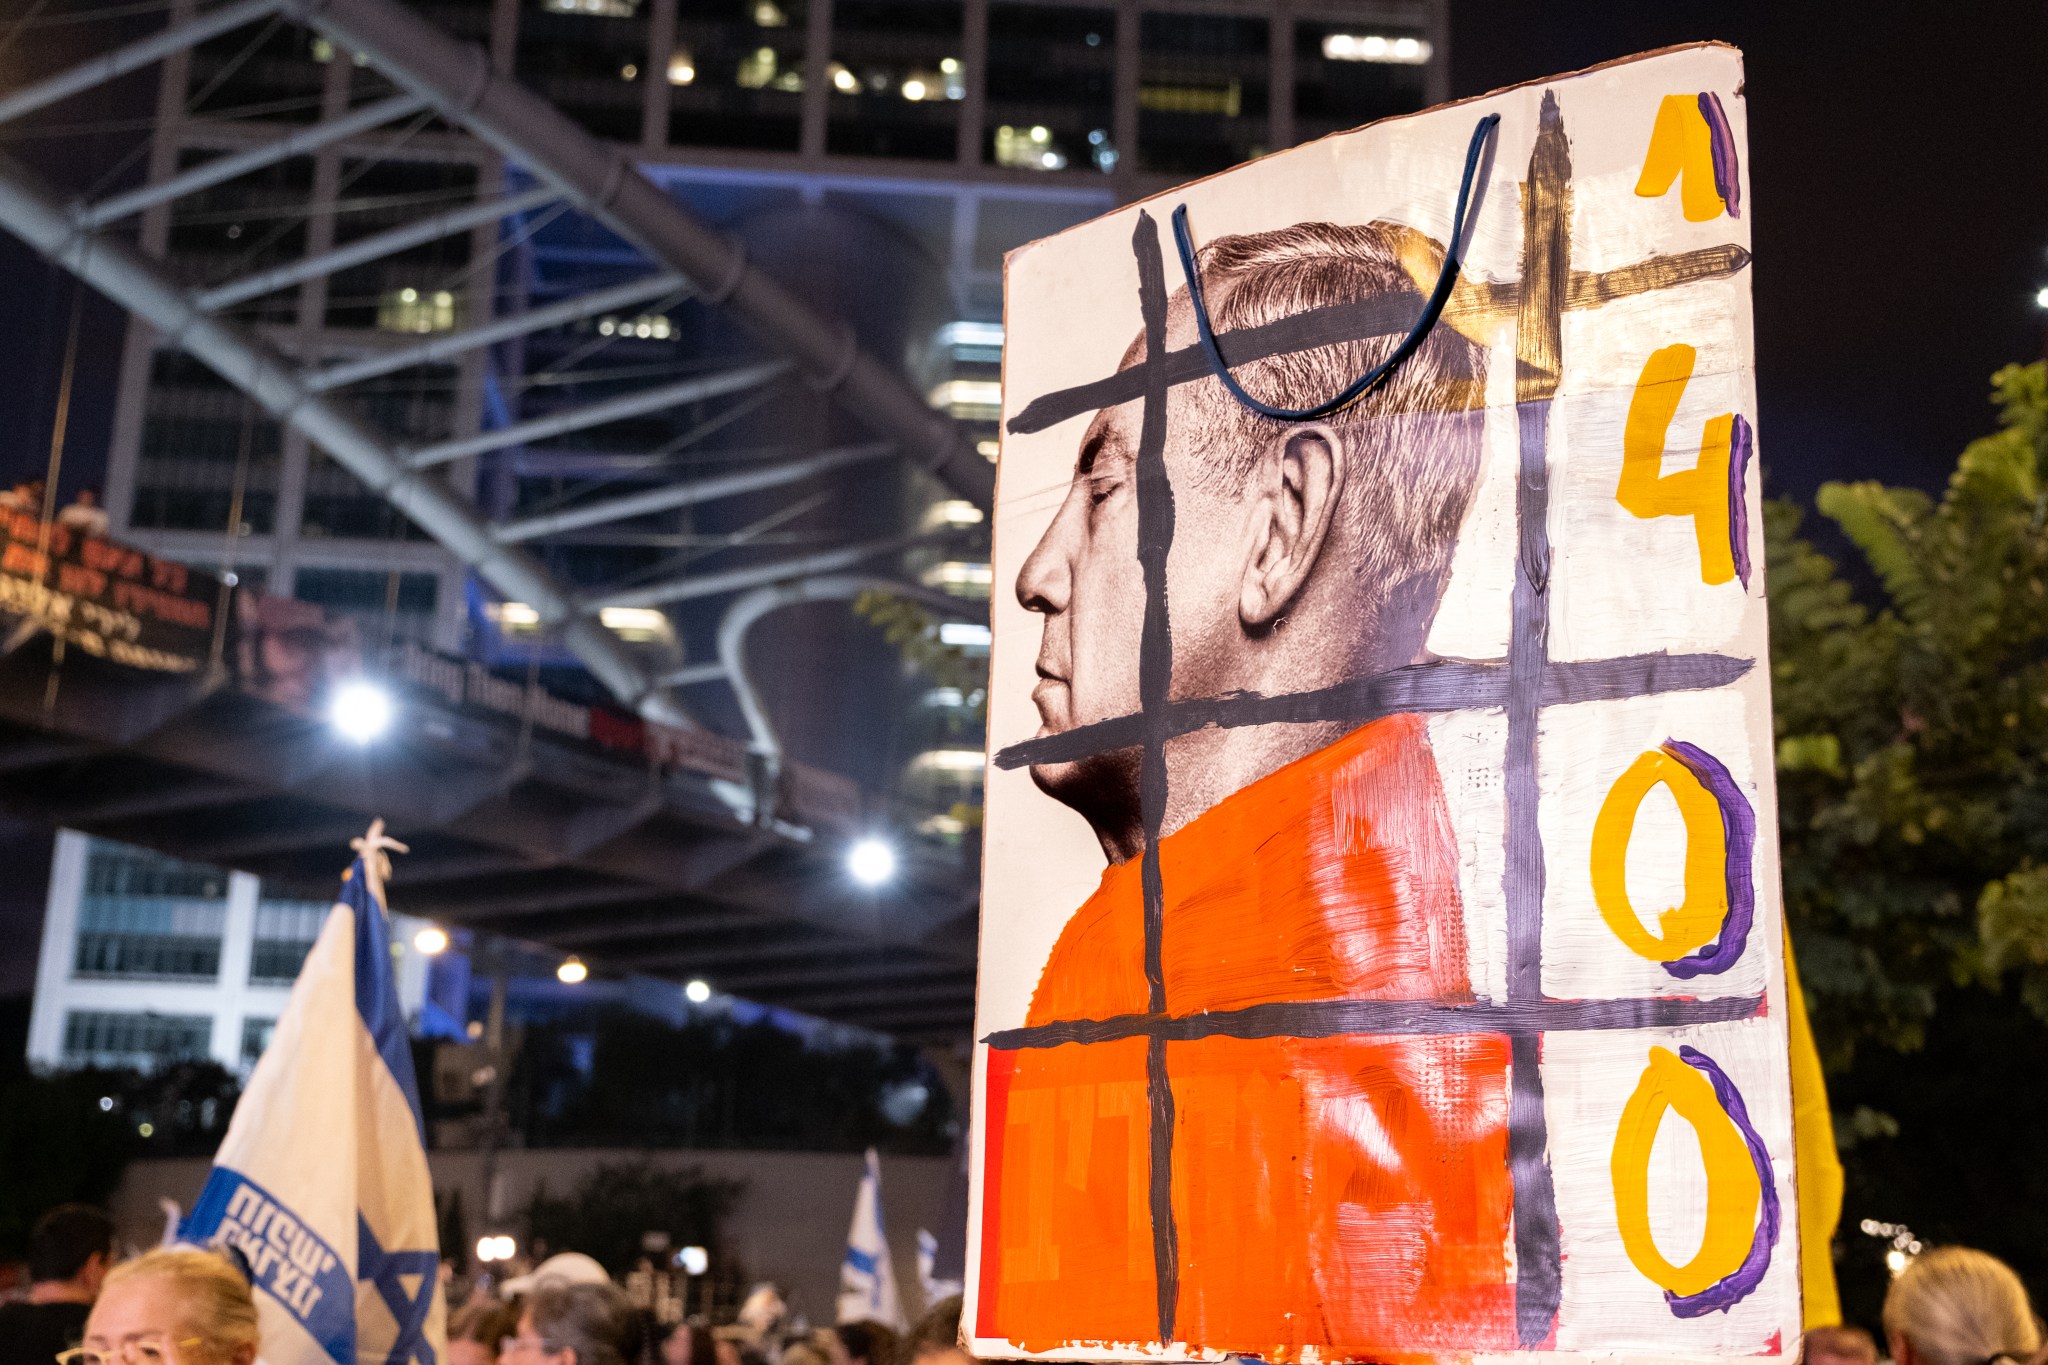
{"x":1741,"y":444}
{"x":1738,"y":822}
{"x":1724,"y":1294}
{"x":1727,"y":177}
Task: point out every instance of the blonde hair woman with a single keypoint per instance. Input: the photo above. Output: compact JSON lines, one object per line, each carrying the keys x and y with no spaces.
{"x":170,"y":1308}
{"x":1955,"y":1306}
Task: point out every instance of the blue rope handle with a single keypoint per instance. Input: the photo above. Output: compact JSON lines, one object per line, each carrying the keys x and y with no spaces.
{"x":1446,"y":280}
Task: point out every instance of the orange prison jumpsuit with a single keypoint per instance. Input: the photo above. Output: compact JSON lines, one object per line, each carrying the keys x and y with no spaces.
{"x":1348,"y":1194}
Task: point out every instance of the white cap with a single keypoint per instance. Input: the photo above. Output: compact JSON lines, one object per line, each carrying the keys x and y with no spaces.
{"x":564,"y":1267}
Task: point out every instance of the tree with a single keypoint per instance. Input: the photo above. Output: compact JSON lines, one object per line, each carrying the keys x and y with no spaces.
{"x":1913,"y":736}
{"x":611,"y":1209}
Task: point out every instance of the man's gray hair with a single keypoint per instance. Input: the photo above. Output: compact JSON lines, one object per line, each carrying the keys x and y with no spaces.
{"x":1416,"y":438}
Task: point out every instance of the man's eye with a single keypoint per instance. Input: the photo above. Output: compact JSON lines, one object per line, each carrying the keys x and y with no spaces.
{"x":1099,"y":493}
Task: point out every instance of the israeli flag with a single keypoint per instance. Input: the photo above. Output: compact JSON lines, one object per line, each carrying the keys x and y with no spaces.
{"x":867,"y":1278}
{"x":322,"y":1184}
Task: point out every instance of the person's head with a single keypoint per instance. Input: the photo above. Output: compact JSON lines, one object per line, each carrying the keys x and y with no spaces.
{"x":689,"y":1344}
{"x":573,"y":1324}
{"x":87,"y":496}
{"x":1955,"y":1306}
{"x":868,"y":1343}
{"x":1837,"y":1346}
{"x":936,"y":1338}
{"x":193,"y":1306}
{"x":1304,"y":553}
{"x":475,"y":1329}
{"x":803,"y":1353}
{"x":71,"y":1245}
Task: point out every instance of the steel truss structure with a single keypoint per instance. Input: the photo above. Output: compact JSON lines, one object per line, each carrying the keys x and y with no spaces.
{"x":436,"y":77}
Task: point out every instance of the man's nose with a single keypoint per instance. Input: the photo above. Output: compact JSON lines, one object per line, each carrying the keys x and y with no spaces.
{"x":1045,"y":582}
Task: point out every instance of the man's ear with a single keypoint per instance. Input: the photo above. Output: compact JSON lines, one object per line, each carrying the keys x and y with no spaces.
{"x":1301,"y":482}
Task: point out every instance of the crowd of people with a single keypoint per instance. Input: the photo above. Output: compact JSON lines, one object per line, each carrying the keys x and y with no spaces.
{"x":84,"y":513}
{"x":183,"y":1306}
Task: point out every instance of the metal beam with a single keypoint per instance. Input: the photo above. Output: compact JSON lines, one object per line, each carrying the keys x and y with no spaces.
{"x":132,"y":57}
{"x":602,"y":180}
{"x":92,"y":217}
{"x":452,"y":344}
{"x":700,"y":923}
{"x":690,"y":494}
{"x":598,"y":413}
{"x":429,"y":229}
{"x":850,"y":995}
{"x":883,"y":973}
{"x":118,"y":270}
{"x":742,"y":614}
{"x":753,"y":575}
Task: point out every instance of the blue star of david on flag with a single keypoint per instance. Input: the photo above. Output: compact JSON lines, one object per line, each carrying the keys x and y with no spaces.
{"x":322,"y":1183}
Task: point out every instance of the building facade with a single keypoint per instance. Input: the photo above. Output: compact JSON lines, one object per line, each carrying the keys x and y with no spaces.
{"x":147,"y":960}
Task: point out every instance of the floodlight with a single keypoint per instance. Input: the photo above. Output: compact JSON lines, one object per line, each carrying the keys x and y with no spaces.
{"x":2041,"y":299}
{"x":698,"y":992}
{"x":431,"y":940}
{"x":871,"y":861}
{"x":693,"y":1260}
{"x":572,"y":971}
{"x":360,"y":711}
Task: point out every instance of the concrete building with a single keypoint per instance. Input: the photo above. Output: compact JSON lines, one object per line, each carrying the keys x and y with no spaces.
{"x":148,"y":960}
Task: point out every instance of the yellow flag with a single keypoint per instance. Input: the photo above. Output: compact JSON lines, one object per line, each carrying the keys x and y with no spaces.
{"x":1815,"y":1163}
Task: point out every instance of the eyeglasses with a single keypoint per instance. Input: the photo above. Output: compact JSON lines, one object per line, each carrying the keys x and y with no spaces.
{"x":154,"y":1352}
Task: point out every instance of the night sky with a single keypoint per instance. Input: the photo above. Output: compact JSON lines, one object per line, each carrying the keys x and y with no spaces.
{"x":1899,"y":173}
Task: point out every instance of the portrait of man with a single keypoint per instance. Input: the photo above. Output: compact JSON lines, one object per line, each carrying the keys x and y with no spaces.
{"x":1344,"y":1194}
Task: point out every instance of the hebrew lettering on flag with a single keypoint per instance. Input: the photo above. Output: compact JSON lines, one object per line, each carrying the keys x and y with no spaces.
{"x":1382,"y":951}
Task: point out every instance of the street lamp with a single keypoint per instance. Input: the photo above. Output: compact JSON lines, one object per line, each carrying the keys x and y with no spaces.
{"x":360,"y":711}
{"x":871,"y":861}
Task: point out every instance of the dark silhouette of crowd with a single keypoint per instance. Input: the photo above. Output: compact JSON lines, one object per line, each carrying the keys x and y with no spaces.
{"x":86,"y":1305}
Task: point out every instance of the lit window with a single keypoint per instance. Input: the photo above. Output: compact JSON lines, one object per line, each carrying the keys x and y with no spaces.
{"x":1227,"y":100}
{"x":756,"y":69}
{"x":962,"y":579}
{"x":989,"y":449}
{"x":682,"y":67}
{"x":965,"y":634}
{"x":950,"y":760}
{"x":974,"y":342}
{"x":638,"y":625}
{"x":945,"y":698}
{"x":416,"y":310}
{"x":1374,"y":47}
{"x":513,"y":618}
{"x":767,"y":14}
{"x":646,"y":327}
{"x":972,"y":400}
{"x":1028,"y":149}
{"x":953,"y":512}
{"x":603,"y":9}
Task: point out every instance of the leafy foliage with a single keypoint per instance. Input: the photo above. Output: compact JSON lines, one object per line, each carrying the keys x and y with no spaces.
{"x":914,"y":633}
{"x":1913,"y":737}
{"x":627,"y":1079}
{"x":56,"y":1146}
{"x":610,"y":1209}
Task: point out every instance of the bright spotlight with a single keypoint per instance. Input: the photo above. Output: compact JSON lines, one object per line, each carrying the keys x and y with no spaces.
{"x":871,"y":861}
{"x":572,"y":971}
{"x":497,"y":1248}
{"x":431,"y":940}
{"x":2041,"y":299}
{"x":693,"y":1260}
{"x":698,"y":992}
{"x":360,"y":711}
